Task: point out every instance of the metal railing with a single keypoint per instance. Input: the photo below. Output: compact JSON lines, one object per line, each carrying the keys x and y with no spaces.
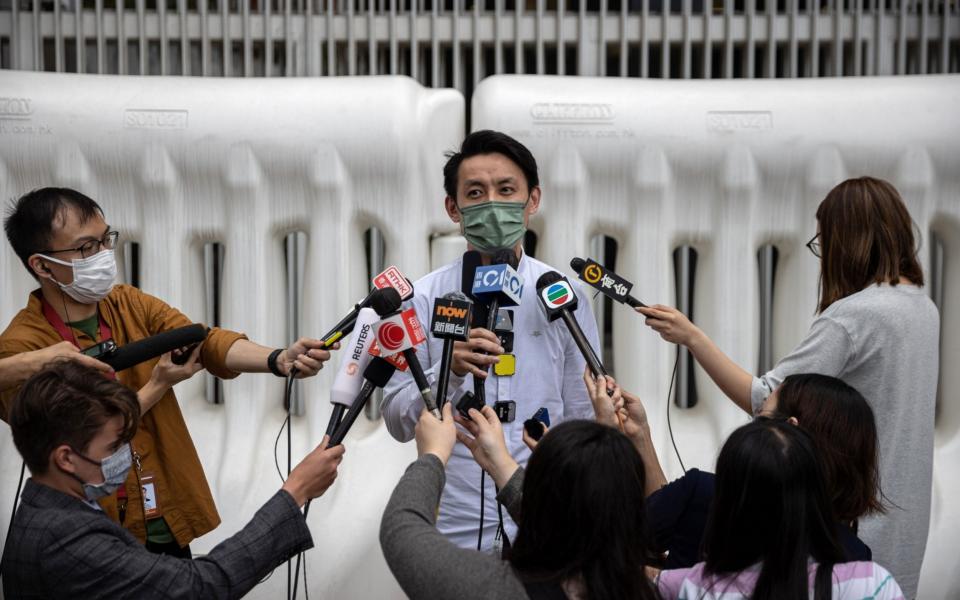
{"x":456,"y":43}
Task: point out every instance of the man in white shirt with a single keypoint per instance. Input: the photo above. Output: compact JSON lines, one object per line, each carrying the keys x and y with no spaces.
{"x":492,"y":189}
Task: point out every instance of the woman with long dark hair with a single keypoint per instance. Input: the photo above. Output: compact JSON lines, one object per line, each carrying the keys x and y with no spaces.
{"x":876,"y":330}
{"x":771,"y":534}
{"x":582,"y":529}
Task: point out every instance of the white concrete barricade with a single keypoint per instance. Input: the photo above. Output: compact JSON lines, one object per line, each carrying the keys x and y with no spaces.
{"x":728,"y":167}
{"x":178,"y":162}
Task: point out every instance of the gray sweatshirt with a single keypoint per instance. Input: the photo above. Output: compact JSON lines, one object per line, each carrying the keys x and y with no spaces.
{"x":885,"y":342}
{"x":424,"y":562}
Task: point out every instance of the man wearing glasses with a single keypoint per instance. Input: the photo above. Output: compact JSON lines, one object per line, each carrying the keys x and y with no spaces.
{"x":62,"y":239}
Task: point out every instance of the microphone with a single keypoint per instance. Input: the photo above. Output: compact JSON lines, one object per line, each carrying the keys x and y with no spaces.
{"x":389,"y":278}
{"x":376,"y":375}
{"x":559,"y":301}
{"x":496,"y":285}
{"x":609,"y":283}
{"x":472,"y":260}
{"x":349,"y":379}
{"x":451,"y":322}
{"x":143,"y":350}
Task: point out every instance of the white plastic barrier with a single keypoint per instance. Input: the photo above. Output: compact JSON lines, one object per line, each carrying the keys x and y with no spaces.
{"x":177,"y":162}
{"x":727,"y":167}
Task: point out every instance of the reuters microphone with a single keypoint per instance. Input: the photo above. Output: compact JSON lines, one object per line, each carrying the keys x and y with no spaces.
{"x":349,"y":379}
{"x":398,"y":334}
{"x":451,"y":323}
{"x":606,"y":281}
{"x":559,"y":301}
{"x":376,"y":375}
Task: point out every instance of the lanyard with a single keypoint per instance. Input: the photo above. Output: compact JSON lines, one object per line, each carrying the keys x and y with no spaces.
{"x":66,"y":333}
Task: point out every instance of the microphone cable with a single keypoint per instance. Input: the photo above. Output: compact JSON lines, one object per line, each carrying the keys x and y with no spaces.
{"x":13,"y":513}
{"x":673,"y":383}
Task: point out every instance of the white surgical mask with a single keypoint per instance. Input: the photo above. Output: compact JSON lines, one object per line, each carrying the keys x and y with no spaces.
{"x":93,"y":277}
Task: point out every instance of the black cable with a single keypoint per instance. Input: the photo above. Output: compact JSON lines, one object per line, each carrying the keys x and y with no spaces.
{"x":13,"y":513}
{"x":288,"y":389}
{"x":673,"y":383}
{"x":480,"y":533}
{"x":296,"y":569}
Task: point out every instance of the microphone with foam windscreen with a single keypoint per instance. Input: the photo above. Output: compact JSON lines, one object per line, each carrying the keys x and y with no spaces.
{"x":134,"y":353}
{"x":376,"y":375}
{"x":559,"y":301}
{"x":451,"y":323}
{"x":391,"y":278}
{"x":496,"y":285}
{"x":609,"y":283}
{"x":349,"y":379}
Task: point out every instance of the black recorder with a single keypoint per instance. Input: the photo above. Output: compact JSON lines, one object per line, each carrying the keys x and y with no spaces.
{"x":102,"y":350}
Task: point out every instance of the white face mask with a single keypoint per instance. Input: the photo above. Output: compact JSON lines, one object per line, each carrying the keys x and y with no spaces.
{"x":93,"y":277}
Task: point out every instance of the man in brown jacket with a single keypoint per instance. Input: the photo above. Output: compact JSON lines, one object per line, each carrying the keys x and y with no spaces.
{"x":65,"y":243}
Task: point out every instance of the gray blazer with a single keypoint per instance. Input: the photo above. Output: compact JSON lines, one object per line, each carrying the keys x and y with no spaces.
{"x":60,"y":547}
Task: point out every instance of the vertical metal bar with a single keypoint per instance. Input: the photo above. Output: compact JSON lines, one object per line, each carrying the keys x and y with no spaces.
{"x":665,"y":40}
{"x":457,"y":71}
{"x":857,"y":37}
{"x":142,"y":34}
{"x":226,"y":38}
{"x":15,"y":36}
{"x":79,"y":41}
{"x":708,"y":40}
{"x":541,"y":67}
{"x":101,"y":44}
{"x":497,"y":39}
{"x":376,"y":262}
{"x":371,"y":40}
{"x":247,"y":41}
{"x":58,"y":49}
{"x":414,"y":34}
{"x":311,"y":66}
{"x":476,"y":43}
{"x":204,"y":38}
{"x":162,"y":19}
{"x":185,"y":67}
{"x":561,"y":37}
{"x":945,"y":40}
{"x":815,"y":40}
{"x":902,"y":39}
{"x":686,"y":51}
{"x":434,"y":46}
{"x":750,"y":71}
{"x":131,"y":263}
{"x":267,"y":38}
{"x":771,"y":39}
{"x":924,"y":17}
{"x":728,"y":39}
{"x":837,"y":38}
{"x":287,"y":37}
{"x":624,"y":45}
{"x":393,"y":37}
{"x":331,"y":40}
{"x":582,"y":51}
{"x":794,"y":45}
{"x":767,"y":263}
{"x":295,"y":246}
{"x":602,"y":39}
{"x":352,"y":39}
{"x":518,"y":38}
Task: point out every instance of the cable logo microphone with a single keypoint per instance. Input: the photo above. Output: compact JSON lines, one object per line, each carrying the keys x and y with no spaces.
{"x":558,"y":294}
{"x":500,"y":281}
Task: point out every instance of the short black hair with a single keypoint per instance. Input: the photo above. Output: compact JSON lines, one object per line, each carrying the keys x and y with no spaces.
{"x":486,"y":141}
{"x":30,"y":220}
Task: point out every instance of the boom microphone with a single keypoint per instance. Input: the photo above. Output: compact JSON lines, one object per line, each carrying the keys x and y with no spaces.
{"x":349,"y":379}
{"x":559,"y":301}
{"x":609,"y":283}
{"x":376,"y":375}
{"x":143,"y":350}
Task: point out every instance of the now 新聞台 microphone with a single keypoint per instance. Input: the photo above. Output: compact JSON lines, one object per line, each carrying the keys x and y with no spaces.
{"x":559,"y":301}
{"x":134,"y":353}
{"x":609,"y":283}
{"x":451,"y":323}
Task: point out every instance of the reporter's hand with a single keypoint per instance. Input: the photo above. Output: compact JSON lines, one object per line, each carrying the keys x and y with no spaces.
{"x":532,"y":443}
{"x":468,"y":356}
{"x":436,"y":437}
{"x":634,"y":417}
{"x":670,"y":323}
{"x":605,"y":406}
{"x":307,"y":355}
{"x":487,"y":445}
{"x":38,"y":359}
{"x":166,"y":374}
{"x":315,"y":473}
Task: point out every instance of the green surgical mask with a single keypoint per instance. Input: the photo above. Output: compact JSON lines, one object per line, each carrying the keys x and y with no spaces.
{"x":490,"y":226}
